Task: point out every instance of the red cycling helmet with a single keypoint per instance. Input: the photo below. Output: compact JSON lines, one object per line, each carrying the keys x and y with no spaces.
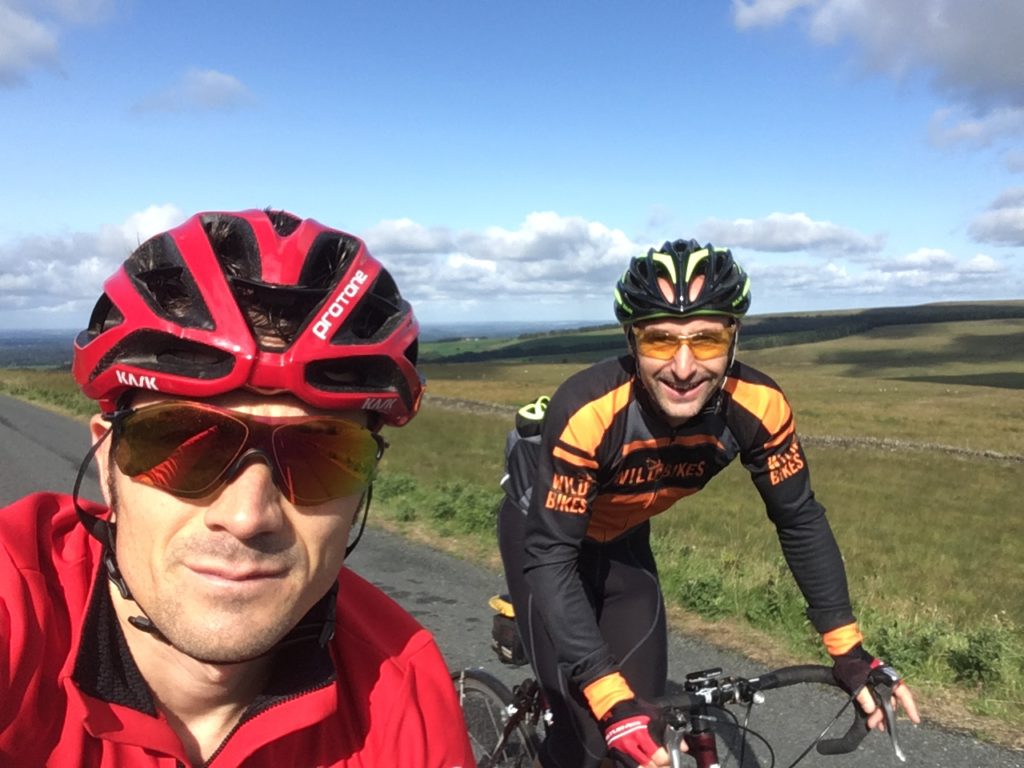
{"x":256,"y":300}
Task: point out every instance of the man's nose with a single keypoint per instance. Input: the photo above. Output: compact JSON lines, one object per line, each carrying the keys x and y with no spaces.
{"x":249,"y":504}
{"x":683,"y":361}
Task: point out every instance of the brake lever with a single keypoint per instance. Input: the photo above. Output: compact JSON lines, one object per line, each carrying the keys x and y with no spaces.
{"x":889,"y":680}
{"x":673,"y":743}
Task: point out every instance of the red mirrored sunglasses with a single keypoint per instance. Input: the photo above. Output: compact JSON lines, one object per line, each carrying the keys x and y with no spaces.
{"x":190,"y":449}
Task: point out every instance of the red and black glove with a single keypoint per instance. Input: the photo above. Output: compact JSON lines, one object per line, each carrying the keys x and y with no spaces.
{"x":634,"y":729}
{"x":852,"y":669}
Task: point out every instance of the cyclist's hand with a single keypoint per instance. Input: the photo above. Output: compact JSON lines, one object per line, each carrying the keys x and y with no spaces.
{"x":851,"y":671}
{"x":634,"y":729}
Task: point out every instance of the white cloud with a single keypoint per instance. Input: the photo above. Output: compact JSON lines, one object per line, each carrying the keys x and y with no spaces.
{"x":927,"y":274}
{"x":406,"y":236}
{"x":30,"y":33}
{"x":463,"y":261}
{"x":65,"y":273}
{"x":146,"y":223}
{"x":787,"y":232}
{"x":548,"y":258}
{"x":549,"y":266}
{"x":199,"y":90}
{"x":931,"y":269}
{"x":25,"y":44}
{"x":759,"y":13}
{"x":1003,"y":222}
{"x":1014,"y":160}
{"x":954,"y":126}
{"x":981,"y":264}
{"x":923,"y":259}
{"x":970,"y":50}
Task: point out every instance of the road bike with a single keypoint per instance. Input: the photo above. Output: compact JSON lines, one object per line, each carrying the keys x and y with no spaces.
{"x":507,"y":725}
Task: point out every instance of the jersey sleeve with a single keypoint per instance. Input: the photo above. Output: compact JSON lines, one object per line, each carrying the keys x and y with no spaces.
{"x":428,"y":730}
{"x":565,"y":487}
{"x":770,"y":450}
{"x":7,"y":703}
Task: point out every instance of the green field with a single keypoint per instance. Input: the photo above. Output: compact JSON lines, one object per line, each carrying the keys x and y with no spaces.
{"x":915,"y":436}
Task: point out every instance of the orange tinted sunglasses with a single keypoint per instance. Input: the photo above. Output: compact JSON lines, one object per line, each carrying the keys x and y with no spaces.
{"x":663,"y":345}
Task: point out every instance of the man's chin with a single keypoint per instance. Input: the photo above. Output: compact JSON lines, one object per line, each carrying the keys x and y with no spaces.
{"x":209,"y":646}
{"x":679,"y":407}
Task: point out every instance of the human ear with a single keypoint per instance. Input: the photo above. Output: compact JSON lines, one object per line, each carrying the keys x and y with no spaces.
{"x":98,"y":428}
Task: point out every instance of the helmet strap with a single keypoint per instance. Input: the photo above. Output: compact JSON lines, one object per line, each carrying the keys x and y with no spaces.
{"x":716,"y":401}
{"x":364,"y":508}
{"x":630,"y":339}
{"x":105,"y":532}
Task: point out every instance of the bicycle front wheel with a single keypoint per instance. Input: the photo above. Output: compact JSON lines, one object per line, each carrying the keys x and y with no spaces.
{"x":501,"y":736}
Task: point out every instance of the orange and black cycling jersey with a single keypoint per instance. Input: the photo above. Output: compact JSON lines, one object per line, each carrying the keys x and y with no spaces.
{"x":608,"y":463}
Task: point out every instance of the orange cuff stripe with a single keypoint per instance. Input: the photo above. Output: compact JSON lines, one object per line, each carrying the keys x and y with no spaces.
{"x":841,"y":639}
{"x":605,"y":692}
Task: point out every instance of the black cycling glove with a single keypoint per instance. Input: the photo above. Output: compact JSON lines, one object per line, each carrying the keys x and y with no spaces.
{"x":852,"y":669}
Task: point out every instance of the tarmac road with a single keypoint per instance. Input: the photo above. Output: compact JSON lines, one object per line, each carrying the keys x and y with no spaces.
{"x":41,"y":451}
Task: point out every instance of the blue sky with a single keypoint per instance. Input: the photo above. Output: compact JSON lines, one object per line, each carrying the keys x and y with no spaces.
{"x":505,"y":160}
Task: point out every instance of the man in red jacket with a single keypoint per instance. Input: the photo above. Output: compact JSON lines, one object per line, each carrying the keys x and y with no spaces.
{"x":244,"y":364}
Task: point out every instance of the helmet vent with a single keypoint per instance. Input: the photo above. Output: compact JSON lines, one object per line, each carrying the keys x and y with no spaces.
{"x":164,"y":353}
{"x":234,"y":245}
{"x":166,"y":285}
{"x":376,"y":315}
{"x":328,"y":259}
{"x":105,"y":315}
{"x":275,"y":313}
{"x":370,"y":373}
{"x":283,"y":222}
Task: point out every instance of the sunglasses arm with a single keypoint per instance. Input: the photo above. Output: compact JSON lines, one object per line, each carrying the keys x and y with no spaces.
{"x":105,"y":531}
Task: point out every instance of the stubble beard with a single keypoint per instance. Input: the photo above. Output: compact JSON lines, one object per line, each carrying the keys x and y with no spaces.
{"x":180,"y":628}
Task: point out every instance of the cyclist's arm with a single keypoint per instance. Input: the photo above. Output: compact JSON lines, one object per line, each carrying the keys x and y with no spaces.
{"x":763,"y":422}
{"x":564,"y":489}
{"x":814,"y":558}
{"x":553,"y":540}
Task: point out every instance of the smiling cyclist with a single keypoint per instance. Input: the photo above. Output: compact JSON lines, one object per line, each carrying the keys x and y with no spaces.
{"x":623,"y":441}
{"x":244,"y":364}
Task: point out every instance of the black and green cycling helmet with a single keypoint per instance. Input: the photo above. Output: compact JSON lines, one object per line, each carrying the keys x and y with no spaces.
{"x":725,"y":291}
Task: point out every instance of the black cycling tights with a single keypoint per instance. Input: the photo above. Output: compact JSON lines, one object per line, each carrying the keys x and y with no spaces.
{"x":621,"y":580}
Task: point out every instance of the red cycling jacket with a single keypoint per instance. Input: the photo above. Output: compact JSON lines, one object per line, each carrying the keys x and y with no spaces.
{"x":380,"y":695}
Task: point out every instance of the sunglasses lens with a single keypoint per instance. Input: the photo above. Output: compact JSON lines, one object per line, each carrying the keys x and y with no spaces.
{"x":662,"y":345}
{"x":324,"y":459}
{"x":706,"y":346}
{"x":658,"y":345}
{"x":180,"y":449}
{"x":187,"y":449}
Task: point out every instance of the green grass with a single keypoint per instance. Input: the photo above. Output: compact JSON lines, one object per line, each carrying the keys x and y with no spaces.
{"x":53,"y":389}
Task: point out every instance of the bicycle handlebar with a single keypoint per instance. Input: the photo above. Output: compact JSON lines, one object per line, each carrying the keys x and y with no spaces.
{"x":711,"y":688}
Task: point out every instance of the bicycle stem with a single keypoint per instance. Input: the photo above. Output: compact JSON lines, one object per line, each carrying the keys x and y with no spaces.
{"x":698,"y":738}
